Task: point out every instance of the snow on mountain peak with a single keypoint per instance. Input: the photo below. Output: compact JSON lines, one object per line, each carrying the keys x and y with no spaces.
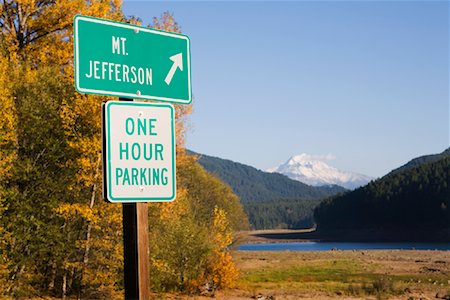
{"x":312,"y":170}
{"x":303,"y":157}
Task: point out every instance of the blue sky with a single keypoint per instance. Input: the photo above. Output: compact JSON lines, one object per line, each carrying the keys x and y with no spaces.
{"x":365,"y":81}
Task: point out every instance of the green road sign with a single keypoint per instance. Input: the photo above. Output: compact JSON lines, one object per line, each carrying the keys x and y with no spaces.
{"x":138,"y":152}
{"x":124,"y":60}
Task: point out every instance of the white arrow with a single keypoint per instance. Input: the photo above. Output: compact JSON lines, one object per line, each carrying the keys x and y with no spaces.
{"x":177,"y":63}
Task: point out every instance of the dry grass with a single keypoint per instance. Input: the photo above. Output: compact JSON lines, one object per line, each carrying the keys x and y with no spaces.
{"x":394,"y":274}
{"x":387,"y":274}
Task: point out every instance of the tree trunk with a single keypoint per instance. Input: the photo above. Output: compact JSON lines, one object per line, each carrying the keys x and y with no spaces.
{"x":51,"y":285}
{"x":87,"y":247}
{"x":71,"y":278}
{"x":64,"y":286}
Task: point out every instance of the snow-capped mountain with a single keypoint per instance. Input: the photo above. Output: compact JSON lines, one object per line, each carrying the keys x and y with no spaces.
{"x":312,"y":170}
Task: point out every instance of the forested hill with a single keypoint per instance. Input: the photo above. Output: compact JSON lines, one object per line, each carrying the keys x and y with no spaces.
{"x":422,"y":160}
{"x":413,"y":203}
{"x":252,"y":185}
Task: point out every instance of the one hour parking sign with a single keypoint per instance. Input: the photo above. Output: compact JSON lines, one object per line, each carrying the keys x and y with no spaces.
{"x":139,"y":152}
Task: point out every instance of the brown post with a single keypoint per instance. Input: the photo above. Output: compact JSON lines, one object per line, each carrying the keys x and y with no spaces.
{"x":143,"y":255}
{"x":135,"y":249}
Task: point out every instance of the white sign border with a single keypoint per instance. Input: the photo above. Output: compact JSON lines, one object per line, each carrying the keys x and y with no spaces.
{"x":107,"y":184}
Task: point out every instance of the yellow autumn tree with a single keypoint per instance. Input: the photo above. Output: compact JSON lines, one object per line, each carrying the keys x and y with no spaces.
{"x":8,"y":153}
{"x":224,"y":272}
{"x":49,"y":170}
{"x":99,"y":224}
{"x":58,"y":237}
{"x":40,"y":31}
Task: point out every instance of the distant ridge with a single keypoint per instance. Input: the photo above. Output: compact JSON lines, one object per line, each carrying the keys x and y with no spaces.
{"x":422,"y":160}
{"x":411,"y":203}
{"x":253,"y":185}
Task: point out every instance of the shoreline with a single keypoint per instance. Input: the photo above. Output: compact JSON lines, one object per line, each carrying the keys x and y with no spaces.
{"x":272,"y":236}
{"x":367,"y":236}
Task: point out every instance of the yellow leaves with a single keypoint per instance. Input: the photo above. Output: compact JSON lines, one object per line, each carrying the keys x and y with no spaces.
{"x":8,"y":139}
{"x":224,"y":271}
{"x":72,"y":211}
{"x":182,"y":113}
{"x":41,"y":30}
{"x":4,"y":263}
{"x":101,"y":267}
{"x":174,"y":210}
{"x":81,"y":122}
{"x":161,"y":265}
{"x":72,"y":265}
{"x":113,"y":214}
{"x":223,"y":236}
{"x":166,"y":22}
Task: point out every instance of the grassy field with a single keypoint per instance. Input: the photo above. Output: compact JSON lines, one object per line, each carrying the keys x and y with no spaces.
{"x":384,"y":274}
{"x":368,"y":274}
{"x":395,"y":274}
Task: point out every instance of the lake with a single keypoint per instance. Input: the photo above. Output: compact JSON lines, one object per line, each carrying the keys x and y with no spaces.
{"x":326,"y":246}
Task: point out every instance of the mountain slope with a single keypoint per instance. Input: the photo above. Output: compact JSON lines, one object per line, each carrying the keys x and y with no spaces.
{"x":421,"y":160}
{"x":413,"y":204}
{"x":283,"y":213}
{"x":313,"y":171}
{"x":251,"y":184}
